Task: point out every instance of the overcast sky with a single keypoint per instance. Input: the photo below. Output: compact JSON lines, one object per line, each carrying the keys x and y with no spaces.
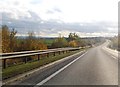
{"x":85,"y":17}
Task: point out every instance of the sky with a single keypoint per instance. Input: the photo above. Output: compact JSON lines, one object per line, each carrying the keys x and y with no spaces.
{"x":49,"y":18}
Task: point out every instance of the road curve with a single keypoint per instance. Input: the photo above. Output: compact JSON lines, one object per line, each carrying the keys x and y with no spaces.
{"x":96,"y":67}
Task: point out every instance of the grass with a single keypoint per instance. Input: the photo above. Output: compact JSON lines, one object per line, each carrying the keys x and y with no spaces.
{"x":49,"y":41}
{"x":19,"y":69}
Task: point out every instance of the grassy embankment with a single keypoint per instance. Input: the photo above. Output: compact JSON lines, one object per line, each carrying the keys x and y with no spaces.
{"x":114,"y":43}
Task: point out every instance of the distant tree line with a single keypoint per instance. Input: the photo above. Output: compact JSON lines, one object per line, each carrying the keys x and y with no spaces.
{"x":11,"y":43}
{"x":73,"y":40}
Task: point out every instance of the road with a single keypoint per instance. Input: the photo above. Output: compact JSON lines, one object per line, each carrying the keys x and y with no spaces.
{"x":95,"y":67}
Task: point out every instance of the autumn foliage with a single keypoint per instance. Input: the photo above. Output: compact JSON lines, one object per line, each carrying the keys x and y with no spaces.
{"x":73,"y":43}
{"x":10,"y":43}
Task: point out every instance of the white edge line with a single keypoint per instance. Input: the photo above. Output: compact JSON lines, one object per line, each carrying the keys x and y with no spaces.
{"x":57,"y":72}
{"x":20,"y":77}
{"x":114,"y":57}
{"x":110,"y":54}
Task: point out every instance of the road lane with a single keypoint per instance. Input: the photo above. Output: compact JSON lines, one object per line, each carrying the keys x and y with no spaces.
{"x":45,"y":71}
{"x":57,"y":72}
{"x":94,"y":68}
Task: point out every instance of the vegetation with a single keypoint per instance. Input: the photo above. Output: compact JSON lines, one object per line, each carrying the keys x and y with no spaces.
{"x":59,"y":43}
{"x":115,"y":43}
{"x":10,"y":43}
{"x":18,"y":69}
{"x":0,"y":40}
{"x":73,"y":39}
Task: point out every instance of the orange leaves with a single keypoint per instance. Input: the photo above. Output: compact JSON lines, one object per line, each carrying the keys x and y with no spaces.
{"x":10,"y":43}
{"x":73,"y":43}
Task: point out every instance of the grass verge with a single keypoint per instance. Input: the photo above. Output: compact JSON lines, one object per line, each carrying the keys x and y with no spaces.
{"x":19,"y":69}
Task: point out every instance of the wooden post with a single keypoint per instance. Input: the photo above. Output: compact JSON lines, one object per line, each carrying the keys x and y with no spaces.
{"x":4,"y":63}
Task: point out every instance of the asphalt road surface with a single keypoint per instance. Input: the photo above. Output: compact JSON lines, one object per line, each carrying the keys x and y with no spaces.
{"x":95,"y":67}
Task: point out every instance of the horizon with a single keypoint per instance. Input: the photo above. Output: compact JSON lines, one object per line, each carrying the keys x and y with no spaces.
{"x":64,"y":37}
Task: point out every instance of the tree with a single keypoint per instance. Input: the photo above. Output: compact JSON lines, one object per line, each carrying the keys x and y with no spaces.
{"x":73,"y":43}
{"x":33,"y":43}
{"x":8,"y":39}
{"x":13,"y":40}
{"x":0,"y":40}
{"x":30,"y":40}
{"x":59,"y":43}
{"x":74,"y":40}
{"x":40,"y":45}
{"x":73,"y":36}
{"x":5,"y":39}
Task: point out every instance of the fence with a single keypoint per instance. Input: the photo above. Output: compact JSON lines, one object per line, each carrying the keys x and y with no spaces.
{"x":25,"y":54}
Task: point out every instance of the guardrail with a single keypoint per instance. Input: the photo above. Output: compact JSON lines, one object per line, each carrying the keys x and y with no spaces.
{"x":39,"y":53}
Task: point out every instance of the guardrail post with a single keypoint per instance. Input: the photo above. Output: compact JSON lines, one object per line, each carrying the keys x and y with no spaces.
{"x":59,"y":52}
{"x":4,"y":63}
{"x":47,"y":54}
{"x":66,"y":51}
{"x":38,"y":56}
{"x":54,"y":53}
{"x":25,"y":59}
{"x":63,"y":52}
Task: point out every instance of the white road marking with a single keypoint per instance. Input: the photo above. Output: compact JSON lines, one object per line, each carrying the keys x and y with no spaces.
{"x":57,"y":72}
{"x":112,"y":54}
{"x":114,"y":57}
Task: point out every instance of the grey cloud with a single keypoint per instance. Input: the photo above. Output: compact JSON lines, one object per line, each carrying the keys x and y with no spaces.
{"x":34,"y":16}
{"x":48,"y":26}
{"x":57,"y":10}
{"x":54,"y":10}
{"x":16,"y":3}
{"x":24,"y":25}
{"x":36,"y":1}
{"x":50,"y":12}
{"x":6,"y":16}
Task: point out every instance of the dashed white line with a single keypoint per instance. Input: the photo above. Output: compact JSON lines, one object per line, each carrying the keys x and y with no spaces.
{"x":57,"y":72}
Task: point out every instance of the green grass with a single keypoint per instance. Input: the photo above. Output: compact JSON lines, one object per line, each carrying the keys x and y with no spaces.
{"x":19,"y":69}
{"x":49,"y":42}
